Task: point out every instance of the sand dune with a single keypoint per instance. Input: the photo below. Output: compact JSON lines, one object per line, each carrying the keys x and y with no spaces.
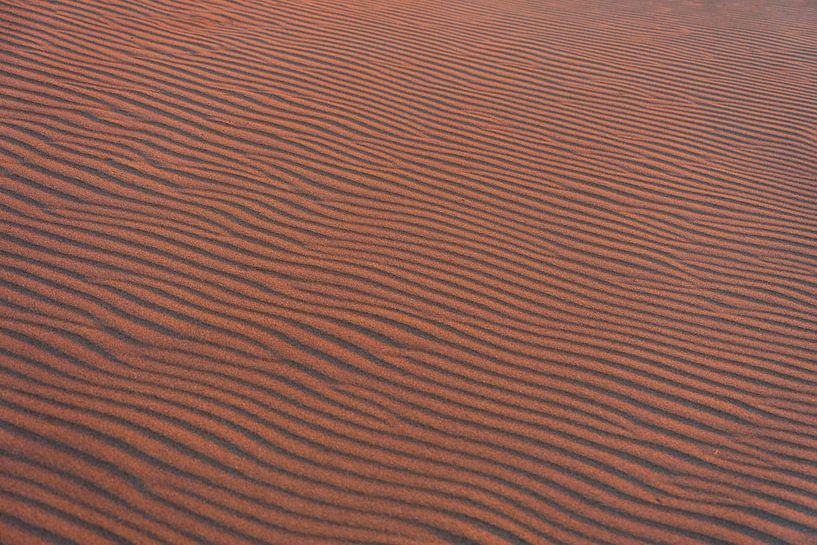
{"x":408,"y":272}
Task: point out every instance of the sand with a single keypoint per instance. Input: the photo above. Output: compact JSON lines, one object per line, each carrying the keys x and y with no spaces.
{"x":408,"y":272}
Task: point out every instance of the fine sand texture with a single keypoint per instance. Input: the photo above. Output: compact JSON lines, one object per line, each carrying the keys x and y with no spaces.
{"x":408,"y":272}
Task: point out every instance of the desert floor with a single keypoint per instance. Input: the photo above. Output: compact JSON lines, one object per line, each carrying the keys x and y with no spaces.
{"x":427,"y":272}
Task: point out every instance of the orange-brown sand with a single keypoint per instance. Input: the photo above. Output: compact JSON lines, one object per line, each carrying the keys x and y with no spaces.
{"x":408,"y":272}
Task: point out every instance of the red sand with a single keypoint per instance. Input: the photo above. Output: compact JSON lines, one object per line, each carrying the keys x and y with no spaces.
{"x":402,"y":272}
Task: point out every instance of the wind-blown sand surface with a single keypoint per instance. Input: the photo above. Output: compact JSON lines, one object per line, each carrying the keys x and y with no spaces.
{"x":408,"y":272}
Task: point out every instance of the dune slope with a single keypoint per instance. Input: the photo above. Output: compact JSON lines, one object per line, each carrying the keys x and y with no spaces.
{"x":408,"y":272}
